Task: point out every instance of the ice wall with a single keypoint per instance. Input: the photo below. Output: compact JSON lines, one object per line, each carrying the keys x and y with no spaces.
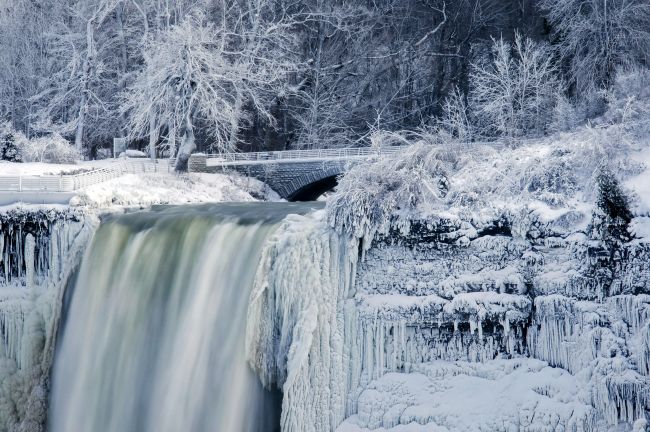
{"x":300,"y":323}
{"x":535,"y":294}
{"x":542,"y":289}
{"x":39,"y":250}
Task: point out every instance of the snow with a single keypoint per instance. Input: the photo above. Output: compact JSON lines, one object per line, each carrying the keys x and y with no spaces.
{"x":42,"y":168}
{"x":133,"y":154}
{"x":148,"y":189}
{"x":640,"y":183}
{"x":640,"y":227}
{"x":498,"y":395}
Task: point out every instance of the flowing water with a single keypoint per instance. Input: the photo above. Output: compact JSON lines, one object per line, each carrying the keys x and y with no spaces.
{"x":153,"y":339}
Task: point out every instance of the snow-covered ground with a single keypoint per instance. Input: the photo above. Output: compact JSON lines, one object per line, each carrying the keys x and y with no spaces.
{"x":498,"y":395}
{"x":42,"y":168}
{"x":168,"y":188}
{"x":141,"y":189}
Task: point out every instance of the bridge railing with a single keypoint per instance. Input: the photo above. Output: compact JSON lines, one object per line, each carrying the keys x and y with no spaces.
{"x":72,"y":182}
{"x":341,"y":153}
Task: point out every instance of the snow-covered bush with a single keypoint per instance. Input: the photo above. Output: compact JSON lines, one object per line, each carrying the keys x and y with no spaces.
{"x":371,"y":195}
{"x":51,"y":148}
{"x":513,"y":93}
{"x":10,"y":143}
{"x":566,"y":116}
{"x":628,"y":102}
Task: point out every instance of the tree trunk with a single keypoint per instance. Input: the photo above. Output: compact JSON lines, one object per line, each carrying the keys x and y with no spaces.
{"x":188,"y":145}
{"x":234,"y":123}
{"x":171,"y":139}
{"x":153,"y":136}
{"x":85,"y":84}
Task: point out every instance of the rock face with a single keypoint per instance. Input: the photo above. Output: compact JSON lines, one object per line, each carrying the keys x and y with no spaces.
{"x":450,"y":291}
{"x":549,"y":329}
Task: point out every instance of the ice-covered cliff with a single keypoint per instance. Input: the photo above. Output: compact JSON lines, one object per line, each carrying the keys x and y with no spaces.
{"x":490,"y":291}
{"x":530,"y":313}
{"x":505,"y":331}
{"x":40,"y":250}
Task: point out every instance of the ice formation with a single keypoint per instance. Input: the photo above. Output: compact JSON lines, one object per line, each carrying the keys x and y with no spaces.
{"x":40,"y":249}
{"x":462,"y":396}
{"x":536,"y":332}
{"x":299,"y":325}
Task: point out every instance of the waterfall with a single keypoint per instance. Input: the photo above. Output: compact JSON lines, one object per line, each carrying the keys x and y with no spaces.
{"x":154,"y":335}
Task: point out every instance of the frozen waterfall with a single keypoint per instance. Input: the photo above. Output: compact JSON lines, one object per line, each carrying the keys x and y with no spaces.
{"x":154,"y":336}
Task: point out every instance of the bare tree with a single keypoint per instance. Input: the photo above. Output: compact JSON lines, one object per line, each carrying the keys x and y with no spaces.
{"x":195,"y":76}
{"x":512,"y":94}
{"x":597,"y":36}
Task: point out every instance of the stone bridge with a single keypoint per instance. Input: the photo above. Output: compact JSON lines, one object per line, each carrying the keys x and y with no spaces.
{"x":296,"y":175}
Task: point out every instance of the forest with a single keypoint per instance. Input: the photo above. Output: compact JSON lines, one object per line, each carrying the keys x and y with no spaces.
{"x":174,"y":76}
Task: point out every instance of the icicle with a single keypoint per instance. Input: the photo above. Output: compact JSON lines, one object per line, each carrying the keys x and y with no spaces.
{"x":29,"y":260}
{"x":472,"y":326}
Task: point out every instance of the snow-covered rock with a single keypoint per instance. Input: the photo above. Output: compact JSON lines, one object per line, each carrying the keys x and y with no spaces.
{"x":41,"y":248}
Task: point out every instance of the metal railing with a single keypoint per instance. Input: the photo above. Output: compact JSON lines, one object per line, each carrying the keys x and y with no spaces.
{"x":292,"y":155}
{"x":73,"y":182}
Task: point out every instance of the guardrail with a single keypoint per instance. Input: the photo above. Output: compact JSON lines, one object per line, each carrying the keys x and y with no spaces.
{"x":73,"y":182}
{"x":342,"y":153}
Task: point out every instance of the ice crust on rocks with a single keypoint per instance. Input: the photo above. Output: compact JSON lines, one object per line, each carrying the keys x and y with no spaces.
{"x":534,"y":334}
{"x":42,"y":247}
{"x":497,"y":395}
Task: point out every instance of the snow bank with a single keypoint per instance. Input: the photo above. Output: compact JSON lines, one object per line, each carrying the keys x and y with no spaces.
{"x":498,"y":395}
{"x":144,"y":190}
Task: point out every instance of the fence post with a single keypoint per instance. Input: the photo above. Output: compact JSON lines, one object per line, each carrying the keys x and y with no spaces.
{"x":20,"y":182}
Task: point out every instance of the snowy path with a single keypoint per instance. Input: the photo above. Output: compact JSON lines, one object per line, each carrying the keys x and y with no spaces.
{"x":7,"y":198}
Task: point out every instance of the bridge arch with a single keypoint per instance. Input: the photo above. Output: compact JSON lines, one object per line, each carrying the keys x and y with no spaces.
{"x":298,"y":181}
{"x":293,"y":178}
{"x":312,"y":191}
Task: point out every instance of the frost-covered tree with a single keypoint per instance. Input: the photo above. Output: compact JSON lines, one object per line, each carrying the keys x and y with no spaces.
{"x":79,"y":87}
{"x":208,"y":75}
{"x":10,"y":148}
{"x":185,"y":78}
{"x":595,"y":37}
{"x":566,"y":116}
{"x":455,"y":119}
{"x":512,"y":94}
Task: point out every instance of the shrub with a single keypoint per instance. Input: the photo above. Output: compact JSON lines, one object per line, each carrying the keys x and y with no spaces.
{"x":371,"y":195}
{"x":52,"y":148}
{"x":10,"y":143}
{"x":614,"y":206}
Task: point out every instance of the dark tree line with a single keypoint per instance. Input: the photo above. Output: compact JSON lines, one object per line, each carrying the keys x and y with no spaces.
{"x":176,"y":75}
